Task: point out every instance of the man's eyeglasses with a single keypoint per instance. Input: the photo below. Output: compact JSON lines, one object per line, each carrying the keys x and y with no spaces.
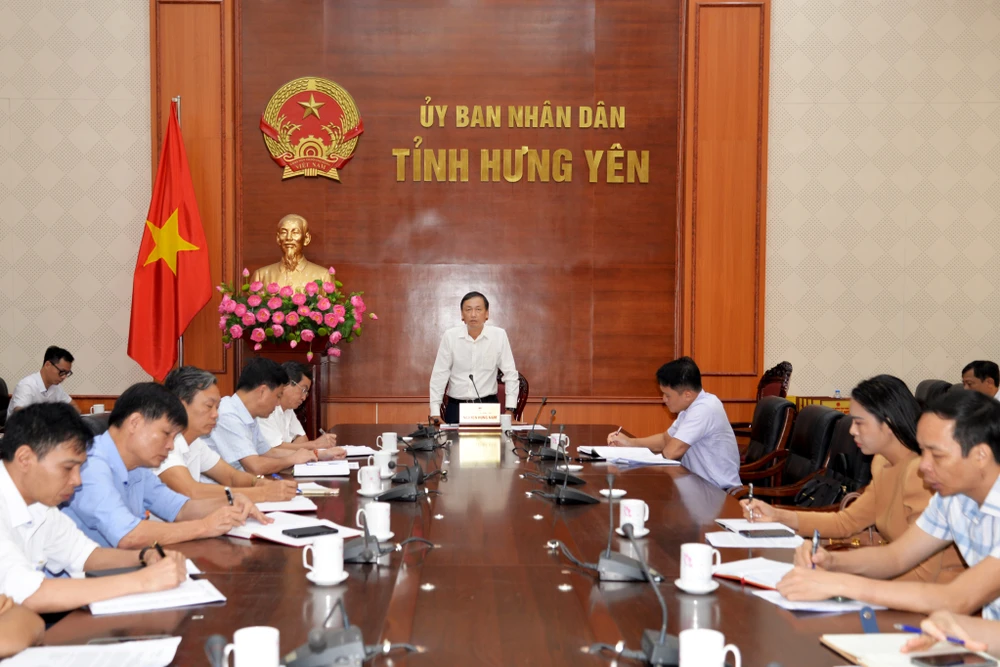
{"x":303,"y":388}
{"x":63,"y":373}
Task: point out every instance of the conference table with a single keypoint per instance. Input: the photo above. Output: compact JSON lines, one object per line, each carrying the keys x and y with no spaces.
{"x":492,"y":592}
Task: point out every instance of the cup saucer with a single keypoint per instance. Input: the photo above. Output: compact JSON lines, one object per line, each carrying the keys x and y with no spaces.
{"x":370,"y":494}
{"x":314,"y":577}
{"x":385,"y":537}
{"x":388,"y":475}
{"x":697,"y":589}
{"x":614,"y":493}
{"x":638,"y":534}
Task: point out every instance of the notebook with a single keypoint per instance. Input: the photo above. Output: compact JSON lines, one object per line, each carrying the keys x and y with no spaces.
{"x":882,"y":649}
{"x":296,"y":504}
{"x":190,"y":593}
{"x":759,"y":572}
{"x":633,"y":455}
{"x":283,"y":521}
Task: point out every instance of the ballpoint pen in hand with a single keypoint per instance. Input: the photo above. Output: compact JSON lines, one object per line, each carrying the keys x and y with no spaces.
{"x":917,"y":631}
{"x":815,"y":547}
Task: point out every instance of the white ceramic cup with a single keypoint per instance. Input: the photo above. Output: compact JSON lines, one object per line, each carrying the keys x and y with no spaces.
{"x":97,"y":409}
{"x":558,"y":440}
{"x":506,"y":421}
{"x":377,"y":517}
{"x":633,"y":511}
{"x":328,"y":556}
{"x":696,"y":563}
{"x":388,"y":442}
{"x":256,"y":646}
{"x":701,"y":647}
{"x":370,"y":479}
{"x":381,"y":459}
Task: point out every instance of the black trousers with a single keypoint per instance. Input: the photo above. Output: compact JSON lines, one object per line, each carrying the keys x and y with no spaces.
{"x":451,"y":410}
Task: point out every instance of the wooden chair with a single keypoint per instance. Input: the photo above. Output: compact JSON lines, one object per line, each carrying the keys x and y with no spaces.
{"x":774,"y":382}
{"x":522,"y":394}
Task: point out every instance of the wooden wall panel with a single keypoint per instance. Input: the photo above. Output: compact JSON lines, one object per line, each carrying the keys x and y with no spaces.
{"x":723,"y":225}
{"x":582,"y":275}
{"x":192,"y":56}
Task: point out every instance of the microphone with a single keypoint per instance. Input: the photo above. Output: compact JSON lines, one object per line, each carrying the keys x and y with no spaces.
{"x":552,"y":418}
{"x":408,"y":493}
{"x":478,"y":397}
{"x":215,"y":648}
{"x":365,"y":549}
{"x":531,"y":435}
{"x":660,"y":648}
{"x":615,"y":566}
{"x":330,"y":647}
{"x":567,"y":496}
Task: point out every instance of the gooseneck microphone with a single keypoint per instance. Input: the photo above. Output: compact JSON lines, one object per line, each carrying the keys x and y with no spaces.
{"x":531,"y":436}
{"x":660,"y":648}
{"x":615,"y":566}
{"x":565,"y":495}
{"x":473,"y":381}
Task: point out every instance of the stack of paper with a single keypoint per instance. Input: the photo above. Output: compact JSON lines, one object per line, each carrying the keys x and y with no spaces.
{"x":314,"y":489}
{"x":759,"y":572}
{"x":359,"y":450}
{"x":726,"y":539}
{"x":527,"y":427}
{"x":147,"y":653}
{"x":826,"y":606}
{"x":736,"y":525}
{"x":188,"y":594}
{"x":628,"y":455}
{"x":323,"y":469}
{"x":296,"y":504}
{"x":284,"y":521}
{"x":882,"y":649}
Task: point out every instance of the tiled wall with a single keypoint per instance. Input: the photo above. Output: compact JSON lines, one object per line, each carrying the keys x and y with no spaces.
{"x":75,"y":165}
{"x":882,"y":189}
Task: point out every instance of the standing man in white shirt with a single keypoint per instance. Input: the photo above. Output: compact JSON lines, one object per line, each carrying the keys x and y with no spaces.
{"x":701,"y":437}
{"x":191,"y":458}
{"x":44,"y":386}
{"x":42,"y":452}
{"x":982,"y":376}
{"x":477,"y":350}
{"x":282,"y":429}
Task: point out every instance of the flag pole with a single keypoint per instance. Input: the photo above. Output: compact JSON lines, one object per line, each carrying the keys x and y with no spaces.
{"x":180,"y":339}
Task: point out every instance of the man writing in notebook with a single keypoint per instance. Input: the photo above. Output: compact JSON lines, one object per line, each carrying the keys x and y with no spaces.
{"x":42,"y":451}
{"x":282,"y":428}
{"x":959,"y":437}
{"x":120,"y":488}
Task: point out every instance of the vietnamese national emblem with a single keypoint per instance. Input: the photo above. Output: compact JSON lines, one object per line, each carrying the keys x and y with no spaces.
{"x":311,"y":126}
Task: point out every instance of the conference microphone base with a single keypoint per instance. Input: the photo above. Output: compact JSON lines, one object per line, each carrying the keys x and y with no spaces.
{"x":667,"y":653}
{"x":557,"y":477}
{"x":331,"y":647}
{"x":549,"y":454}
{"x":407,"y":493}
{"x":362,"y":550}
{"x":617,"y":566}
{"x":565,"y":496}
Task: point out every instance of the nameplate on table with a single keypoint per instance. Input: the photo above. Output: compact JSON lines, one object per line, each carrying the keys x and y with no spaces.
{"x":479,"y":414}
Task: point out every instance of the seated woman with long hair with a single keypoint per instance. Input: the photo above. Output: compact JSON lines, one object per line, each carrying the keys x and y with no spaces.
{"x":884,"y":415}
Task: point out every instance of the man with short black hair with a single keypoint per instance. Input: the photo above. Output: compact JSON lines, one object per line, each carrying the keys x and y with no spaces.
{"x":477,"y":350}
{"x":237,"y":436}
{"x":119,"y":486}
{"x":42,"y":451}
{"x":701,"y":436}
{"x":282,"y":427}
{"x":959,"y":437}
{"x":191,"y":458}
{"x":982,"y":376}
{"x":44,"y":386}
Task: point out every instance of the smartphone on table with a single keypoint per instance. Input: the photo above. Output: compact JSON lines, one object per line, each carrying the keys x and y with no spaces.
{"x":767,"y":532}
{"x":308,"y":531}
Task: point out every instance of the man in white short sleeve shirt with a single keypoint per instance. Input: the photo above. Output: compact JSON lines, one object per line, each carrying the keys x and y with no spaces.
{"x":982,"y":376}
{"x":282,"y":429}
{"x":701,"y":436}
{"x":959,"y":438}
{"x":45,"y":386}
{"x":42,"y":451}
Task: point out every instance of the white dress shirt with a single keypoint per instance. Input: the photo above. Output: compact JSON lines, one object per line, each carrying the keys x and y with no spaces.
{"x":280,"y":426}
{"x":35,"y":538}
{"x":459,"y":356}
{"x":197,"y":457}
{"x":713,"y":453}
{"x":32,"y":390}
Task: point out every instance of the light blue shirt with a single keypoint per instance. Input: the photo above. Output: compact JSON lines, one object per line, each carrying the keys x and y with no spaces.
{"x":713,"y":453}
{"x":975,"y":530}
{"x":236,"y":435}
{"x":113,"y":500}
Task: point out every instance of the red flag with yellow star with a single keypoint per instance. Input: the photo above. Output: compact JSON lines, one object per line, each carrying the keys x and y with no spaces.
{"x":172,"y":280}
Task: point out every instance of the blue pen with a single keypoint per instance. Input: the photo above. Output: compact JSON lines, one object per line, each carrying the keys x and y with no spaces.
{"x":918,"y":631}
{"x":275,"y":475}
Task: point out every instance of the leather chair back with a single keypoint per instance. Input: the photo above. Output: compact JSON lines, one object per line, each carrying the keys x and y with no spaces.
{"x":774,"y":381}
{"x":809,"y":444}
{"x":846,"y":459}
{"x":928,"y":390}
{"x":522,"y":393}
{"x":771,"y":425}
{"x":97,"y":424}
{"x":4,"y":402}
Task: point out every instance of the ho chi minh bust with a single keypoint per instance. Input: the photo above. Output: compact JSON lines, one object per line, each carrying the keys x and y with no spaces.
{"x":293,"y":269}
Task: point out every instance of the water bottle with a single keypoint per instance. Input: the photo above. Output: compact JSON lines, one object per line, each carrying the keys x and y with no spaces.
{"x":836,"y":394}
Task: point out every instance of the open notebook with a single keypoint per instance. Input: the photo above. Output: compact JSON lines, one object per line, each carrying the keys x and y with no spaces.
{"x":284,"y":521}
{"x":881,"y":649}
{"x":759,"y":572}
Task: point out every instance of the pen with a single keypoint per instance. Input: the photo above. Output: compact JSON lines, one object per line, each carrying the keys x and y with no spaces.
{"x":619,"y":430}
{"x":917,"y":631}
{"x":229,"y":496}
{"x":750,"y":504}
{"x":275,"y":475}
{"x":159,"y":549}
{"x":815,"y":547}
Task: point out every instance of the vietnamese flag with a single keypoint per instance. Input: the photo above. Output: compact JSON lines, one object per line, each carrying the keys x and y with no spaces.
{"x":172,"y":280}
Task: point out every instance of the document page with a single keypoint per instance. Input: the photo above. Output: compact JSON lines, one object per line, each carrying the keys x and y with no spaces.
{"x":827,"y":606}
{"x":629,"y":455}
{"x":735,"y":540}
{"x":284,"y":521}
{"x":188,"y":594}
{"x":760,"y":572}
{"x":359,"y":450}
{"x":323,"y":469}
{"x":145,"y":653}
{"x":296,"y":504}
